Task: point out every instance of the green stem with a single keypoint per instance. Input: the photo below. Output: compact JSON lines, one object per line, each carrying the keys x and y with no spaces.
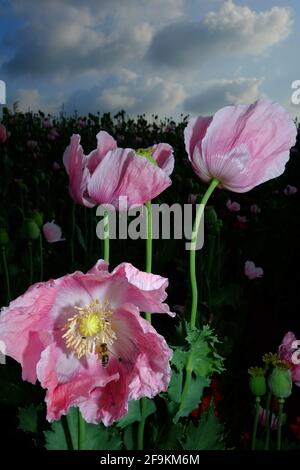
{"x":148,"y":244}
{"x":141,"y":427}
{"x":30,"y":262}
{"x":268,"y":417}
{"x":66,"y":428}
{"x":255,"y":423}
{"x":81,"y":430}
{"x":106,"y":237}
{"x":279,"y":422}
{"x":73,"y":215}
{"x":142,"y":422}
{"x":6,"y":274}
{"x":214,"y":183}
{"x":41,"y":258}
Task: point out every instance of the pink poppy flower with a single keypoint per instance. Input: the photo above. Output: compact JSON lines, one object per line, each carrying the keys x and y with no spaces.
{"x":242,"y":146}
{"x":290,"y":190}
{"x":255,"y":209}
{"x":233,"y":206}
{"x":52,"y":232}
{"x":46,"y":123}
{"x":251,"y":271}
{"x":56,"y":166}
{"x":3,"y":133}
{"x":83,"y":338}
{"x":53,"y":134}
{"x":109,"y":173}
{"x":192,"y":199}
{"x":289,"y":350}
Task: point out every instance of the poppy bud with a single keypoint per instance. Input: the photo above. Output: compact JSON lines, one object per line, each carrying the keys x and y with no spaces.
{"x":37,"y":217}
{"x":147,"y":153}
{"x":30,"y":230}
{"x":280,"y":380}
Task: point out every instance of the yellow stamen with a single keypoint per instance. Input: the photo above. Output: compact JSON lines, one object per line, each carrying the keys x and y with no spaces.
{"x":89,"y":328}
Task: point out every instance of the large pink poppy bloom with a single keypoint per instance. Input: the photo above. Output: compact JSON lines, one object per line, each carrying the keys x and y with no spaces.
{"x":83,"y":338}
{"x":289,"y":350}
{"x":109,"y":172}
{"x":242,"y":146}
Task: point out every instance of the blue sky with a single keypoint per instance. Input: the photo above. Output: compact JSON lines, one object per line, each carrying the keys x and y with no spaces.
{"x":148,"y":56}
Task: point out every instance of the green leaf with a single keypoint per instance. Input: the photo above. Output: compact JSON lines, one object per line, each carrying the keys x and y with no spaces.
{"x":28,"y":418}
{"x":193,"y":397}
{"x":175,"y":387}
{"x":204,"y":359}
{"x":133,"y":415}
{"x":207,"y":435}
{"x":97,"y":436}
{"x":171,"y":437}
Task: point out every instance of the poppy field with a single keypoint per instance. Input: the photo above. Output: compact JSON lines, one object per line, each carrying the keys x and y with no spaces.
{"x":126,"y":344}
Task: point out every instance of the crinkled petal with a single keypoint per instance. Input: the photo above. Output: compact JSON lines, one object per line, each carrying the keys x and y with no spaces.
{"x":163,"y":154}
{"x":105,"y":143}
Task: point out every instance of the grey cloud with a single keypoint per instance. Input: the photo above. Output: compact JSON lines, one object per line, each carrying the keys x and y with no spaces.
{"x":220,"y":93}
{"x":233,"y":30}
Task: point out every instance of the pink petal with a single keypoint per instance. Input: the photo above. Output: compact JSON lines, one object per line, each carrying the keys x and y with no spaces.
{"x":163,"y":154}
{"x":122,"y":173}
{"x":75,"y":163}
{"x":105,"y":143}
{"x":195,"y":132}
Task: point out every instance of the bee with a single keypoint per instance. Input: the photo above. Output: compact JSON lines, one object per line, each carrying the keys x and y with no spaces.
{"x":103,"y":353}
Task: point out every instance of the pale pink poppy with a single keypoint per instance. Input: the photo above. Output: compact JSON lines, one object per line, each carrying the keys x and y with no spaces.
{"x":289,"y":190}
{"x":289,"y":350}
{"x":255,"y":209}
{"x":242,"y":146}
{"x":83,"y":338}
{"x":233,"y":206}
{"x":52,"y":232}
{"x":110,"y":173}
{"x":3,"y":133}
{"x":251,"y":271}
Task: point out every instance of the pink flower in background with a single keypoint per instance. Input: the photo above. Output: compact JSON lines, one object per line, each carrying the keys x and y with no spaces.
{"x":242,"y":146}
{"x":233,"y":206}
{"x":251,"y":271}
{"x":53,"y":134}
{"x":290,"y":190}
{"x":109,"y":172}
{"x":242,"y":219}
{"x":255,"y":209}
{"x":3,"y":133}
{"x":52,"y":232}
{"x":56,"y":166}
{"x":81,"y":123}
{"x":289,"y":350}
{"x":46,"y":124}
{"x":192,"y":199}
{"x":83,"y":338}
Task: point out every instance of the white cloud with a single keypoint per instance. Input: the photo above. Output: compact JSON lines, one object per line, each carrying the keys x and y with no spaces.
{"x":233,"y":30}
{"x":28,"y":99}
{"x":219,"y":93}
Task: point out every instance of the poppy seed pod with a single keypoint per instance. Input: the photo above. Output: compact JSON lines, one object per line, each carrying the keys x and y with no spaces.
{"x":3,"y":237}
{"x":257,"y":381}
{"x":30,"y":230}
{"x":280,"y":380}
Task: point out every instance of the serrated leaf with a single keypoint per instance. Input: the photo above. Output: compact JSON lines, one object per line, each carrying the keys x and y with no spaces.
{"x":28,"y":419}
{"x":207,"y":435}
{"x":97,"y":436}
{"x":193,"y":397}
{"x":133,"y":415}
{"x":175,"y":387}
{"x":171,"y":437}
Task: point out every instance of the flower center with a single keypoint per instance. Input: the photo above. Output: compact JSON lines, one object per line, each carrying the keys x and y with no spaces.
{"x":90,"y":330}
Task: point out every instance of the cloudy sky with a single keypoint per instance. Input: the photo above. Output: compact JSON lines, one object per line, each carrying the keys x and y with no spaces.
{"x":148,"y":56}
